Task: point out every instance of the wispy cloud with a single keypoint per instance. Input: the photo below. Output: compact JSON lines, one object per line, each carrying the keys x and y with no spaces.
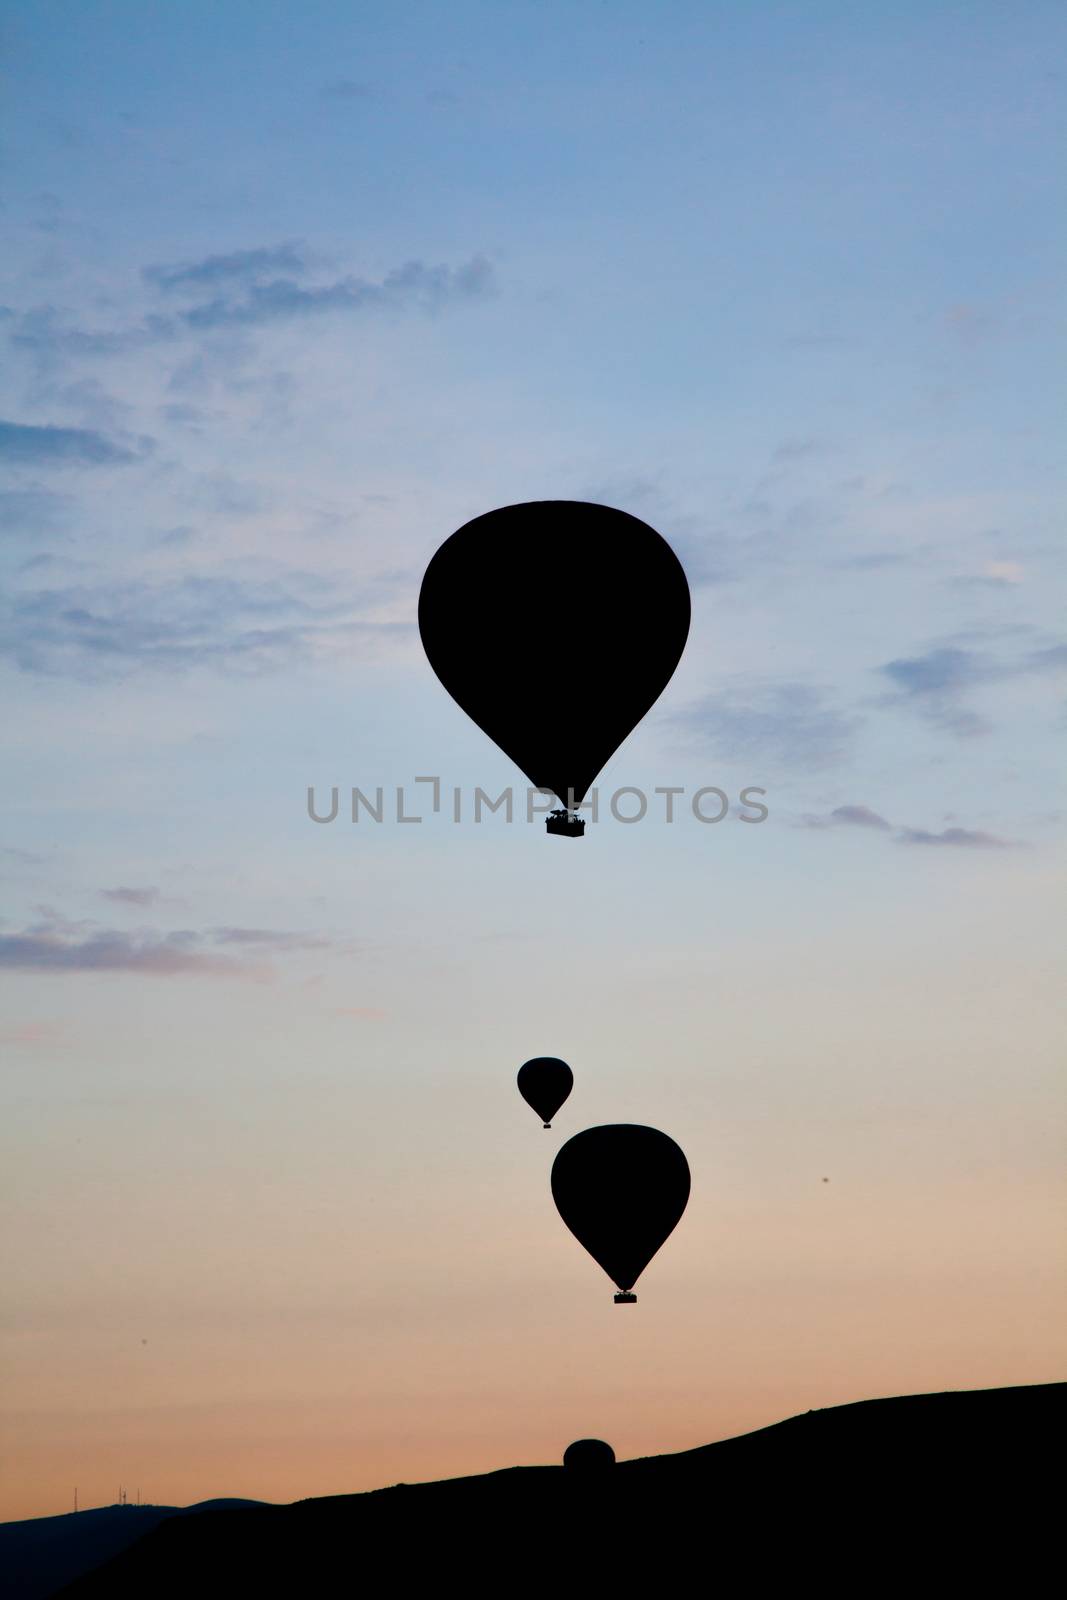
{"x":249,"y":626}
{"x":131,"y":897}
{"x":413,"y":285}
{"x":239,"y":266}
{"x":55,"y":945}
{"x":938,"y":683}
{"x":785,"y":725}
{"x":870,"y":821}
{"x":849,"y":817}
{"x":55,"y":951}
{"x":954,"y":838}
{"x":939,"y":672}
{"x":270,"y":938}
{"x":241,"y":300}
{"x":25,"y":444}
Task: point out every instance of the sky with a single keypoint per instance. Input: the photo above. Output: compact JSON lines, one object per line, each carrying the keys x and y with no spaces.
{"x":288,"y":294}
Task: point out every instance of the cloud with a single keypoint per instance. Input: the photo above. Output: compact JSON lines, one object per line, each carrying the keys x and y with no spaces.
{"x":938,"y":672}
{"x":42,"y":333}
{"x":858,"y":817}
{"x":785,"y":725}
{"x":363,"y":1013}
{"x":936,"y":684}
{"x":798,"y":449}
{"x":873,"y":561}
{"x":413,"y":284}
{"x":27,"y":445}
{"x":131,"y":897}
{"x":273,"y":938}
{"x":244,"y":302}
{"x":247,"y":626}
{"x":959,"y":838}
{"x":52,"y":951}
{"x":864,"y":817}
{"x":849,"y":817}
{"x":58,"y":946}
{"x":239,"y":266}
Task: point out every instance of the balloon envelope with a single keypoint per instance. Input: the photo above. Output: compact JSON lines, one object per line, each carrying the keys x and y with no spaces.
{"x":621,"y":1190}
{"x":555,"y":625}
{"x":544,"y":1083}
{"x":588,"y":1455}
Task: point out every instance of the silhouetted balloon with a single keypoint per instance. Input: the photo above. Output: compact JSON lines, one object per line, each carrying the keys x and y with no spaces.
{"x":544,"y":1083}
{"x":555,"y":625}
{"x":621,"y":1190}
{"x":588,"y":1455}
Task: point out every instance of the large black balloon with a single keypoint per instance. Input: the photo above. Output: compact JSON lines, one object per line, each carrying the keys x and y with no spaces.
{"x":555,"y":625}
{"x":544,"y":1083}
{"x":621,"y":1190}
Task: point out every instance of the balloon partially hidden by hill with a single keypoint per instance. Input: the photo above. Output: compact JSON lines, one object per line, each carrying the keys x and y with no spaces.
{"x":588,"y":1455}
{"x":935,"y":1486}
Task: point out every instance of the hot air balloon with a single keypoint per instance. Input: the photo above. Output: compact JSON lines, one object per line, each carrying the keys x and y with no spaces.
{"x":555,"y":625}
{"x":621,"y":1190}
{"x":544,"y":1083}
{"x":588,"y":1455}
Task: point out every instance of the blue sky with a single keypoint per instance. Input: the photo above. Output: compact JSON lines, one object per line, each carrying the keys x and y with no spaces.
{"x":288,"y":295}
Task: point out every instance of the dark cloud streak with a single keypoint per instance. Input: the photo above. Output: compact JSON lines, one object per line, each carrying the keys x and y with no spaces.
{"x":24,"y":444}
{"x":131,"y":897}
{"x":56,"y":946}
{"x":240,"y":266}
{"x":955,"y":838}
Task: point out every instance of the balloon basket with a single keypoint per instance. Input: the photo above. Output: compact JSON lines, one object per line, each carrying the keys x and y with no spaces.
{"x":566,"y":823}
{"x":625,"y":1299}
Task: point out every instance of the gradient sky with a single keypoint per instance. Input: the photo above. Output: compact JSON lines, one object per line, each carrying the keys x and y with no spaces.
{"x":288,"y":294}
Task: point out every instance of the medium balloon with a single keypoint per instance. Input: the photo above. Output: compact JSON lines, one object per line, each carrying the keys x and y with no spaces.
{"x":555,"y":625}
{"x":544,"y":1083}
{"x":621,"y":1190}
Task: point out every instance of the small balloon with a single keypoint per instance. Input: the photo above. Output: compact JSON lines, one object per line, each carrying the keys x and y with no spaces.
{"x":544,"y":1083}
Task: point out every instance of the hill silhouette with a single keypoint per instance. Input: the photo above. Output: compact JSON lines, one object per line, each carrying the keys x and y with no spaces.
{"x":935,"y":1489}
{"x":41,"y":1554}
